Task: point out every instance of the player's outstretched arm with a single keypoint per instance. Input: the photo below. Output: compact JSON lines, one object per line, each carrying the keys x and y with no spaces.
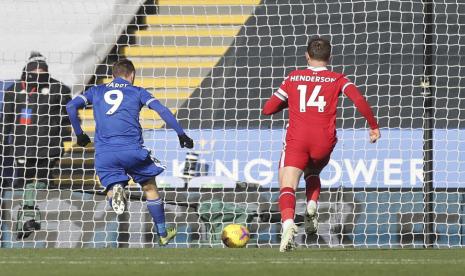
{"x":170,"y":120}
{"x":274,"y":105}
{"x":72,"y":109}
{"x":364,"y":108}
{"x":278,"y":100}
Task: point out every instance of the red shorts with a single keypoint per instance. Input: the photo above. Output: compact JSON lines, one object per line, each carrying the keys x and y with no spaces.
{"x":314,"y":153}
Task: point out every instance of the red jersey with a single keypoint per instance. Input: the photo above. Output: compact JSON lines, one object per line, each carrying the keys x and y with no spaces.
{"x":312,"y":96}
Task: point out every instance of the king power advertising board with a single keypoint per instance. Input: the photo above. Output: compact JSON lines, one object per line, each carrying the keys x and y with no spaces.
{"x":395,"y":161}
{"x":364,"y":213}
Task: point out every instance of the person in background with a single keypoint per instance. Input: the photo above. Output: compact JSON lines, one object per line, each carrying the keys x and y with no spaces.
{"x":34,"y":124}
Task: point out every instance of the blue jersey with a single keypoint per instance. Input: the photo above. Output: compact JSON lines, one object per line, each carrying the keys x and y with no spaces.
{"x":116,"y":107}
{"x":118,"y":134}
{"x":116,"y":113}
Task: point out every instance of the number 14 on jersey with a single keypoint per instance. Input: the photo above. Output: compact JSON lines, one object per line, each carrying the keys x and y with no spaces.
{"x":312,"y":101}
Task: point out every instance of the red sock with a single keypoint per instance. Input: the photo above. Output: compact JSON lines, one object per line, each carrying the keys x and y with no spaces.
{"x":287,"y":203}
{"x":313,"y":187}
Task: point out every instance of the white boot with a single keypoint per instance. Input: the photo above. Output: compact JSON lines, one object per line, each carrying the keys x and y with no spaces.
{"x":288,"y":236}
{"x":119,"y":199}
{"x":311,"y":220}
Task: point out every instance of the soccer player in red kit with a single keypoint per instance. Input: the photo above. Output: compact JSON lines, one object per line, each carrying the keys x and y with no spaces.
{"x":312,"y":96}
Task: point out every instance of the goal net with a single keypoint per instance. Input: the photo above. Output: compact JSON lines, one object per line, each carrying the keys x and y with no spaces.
{"x":214,"y":63}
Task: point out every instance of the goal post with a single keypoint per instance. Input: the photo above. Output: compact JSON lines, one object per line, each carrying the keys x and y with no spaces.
{"x":214,"y":63}
{"x":428,"y":125}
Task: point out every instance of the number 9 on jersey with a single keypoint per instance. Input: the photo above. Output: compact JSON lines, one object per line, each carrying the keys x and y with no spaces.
{"x":116,"y":102}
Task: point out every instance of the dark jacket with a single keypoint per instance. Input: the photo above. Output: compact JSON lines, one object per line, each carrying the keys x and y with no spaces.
{"x":36,"y":121}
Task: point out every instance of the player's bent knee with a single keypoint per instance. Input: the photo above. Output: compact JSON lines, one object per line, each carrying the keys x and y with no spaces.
{"x":290,"y":177}
{"x":311,"y":172}
{"x":149,"y":187}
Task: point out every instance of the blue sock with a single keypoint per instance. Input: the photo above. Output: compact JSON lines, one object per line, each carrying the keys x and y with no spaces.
{"x":157,"y":211}
{"x":110,"y":202}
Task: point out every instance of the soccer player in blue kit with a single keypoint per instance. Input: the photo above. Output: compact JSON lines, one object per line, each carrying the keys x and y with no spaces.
{"x":119,"y":149}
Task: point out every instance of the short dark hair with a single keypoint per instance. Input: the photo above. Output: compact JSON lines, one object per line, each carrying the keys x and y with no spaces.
{"x":319,"y":48}
{"x":123,"y":68}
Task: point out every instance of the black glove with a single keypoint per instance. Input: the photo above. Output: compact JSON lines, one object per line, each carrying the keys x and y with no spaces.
{"x":83,"y":139}
{"x":186,"y":141}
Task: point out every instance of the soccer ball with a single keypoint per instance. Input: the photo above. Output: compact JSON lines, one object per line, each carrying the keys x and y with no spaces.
{"x":235,"y":236}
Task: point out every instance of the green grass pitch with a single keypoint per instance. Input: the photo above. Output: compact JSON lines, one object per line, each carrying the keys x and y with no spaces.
{"x":237,"y":262}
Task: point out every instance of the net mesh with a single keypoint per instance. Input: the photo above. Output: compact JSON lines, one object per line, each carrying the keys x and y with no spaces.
{"x":214,"y":63}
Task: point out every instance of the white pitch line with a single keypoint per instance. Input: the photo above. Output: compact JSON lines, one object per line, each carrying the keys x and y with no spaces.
{"x":280,"y":261}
